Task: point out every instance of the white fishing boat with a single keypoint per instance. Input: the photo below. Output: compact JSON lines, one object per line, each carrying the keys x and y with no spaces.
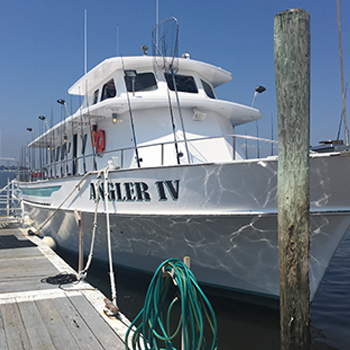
{"x":157,"y":163}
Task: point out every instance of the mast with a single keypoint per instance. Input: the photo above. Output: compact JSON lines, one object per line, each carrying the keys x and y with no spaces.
{"x":342,"y":77}
{"x":85,"y":41}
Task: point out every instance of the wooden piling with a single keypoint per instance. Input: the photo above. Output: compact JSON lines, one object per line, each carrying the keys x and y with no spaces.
{"x":292,"y":75}
{"x":81,"y":243}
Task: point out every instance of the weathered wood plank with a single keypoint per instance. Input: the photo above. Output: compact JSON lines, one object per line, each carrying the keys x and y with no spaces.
{"x":37,"y":333}
{"x":3,"y":339}
{"x":16,"y":334}
{"x":18,"y":253}
{"x":37,"y":266}
{"x":292,"y":72}
{"x":98,"y":326}
{"x":24,"y":284}
{"x":76,"y":325}
{"x":59,"y":333}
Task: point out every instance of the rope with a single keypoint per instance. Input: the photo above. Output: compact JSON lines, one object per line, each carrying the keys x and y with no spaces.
{"x":60,"y":206}
{"x":110,"y":258}
{"x":197,"y":320}
{"x":61,"y":278}
{"x":83,"y":273}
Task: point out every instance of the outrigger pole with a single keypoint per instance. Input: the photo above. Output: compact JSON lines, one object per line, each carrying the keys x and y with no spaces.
{"x":342,"y":77}
{"x":133,"y":77}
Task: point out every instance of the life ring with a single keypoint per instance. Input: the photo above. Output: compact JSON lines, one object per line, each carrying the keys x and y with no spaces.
{"x":100,"y":141}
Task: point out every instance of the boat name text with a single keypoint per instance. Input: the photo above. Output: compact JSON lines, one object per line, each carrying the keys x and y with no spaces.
{"x":135,"y":191}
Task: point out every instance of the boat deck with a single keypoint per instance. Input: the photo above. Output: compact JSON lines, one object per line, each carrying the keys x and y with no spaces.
{"x":38,"y":315}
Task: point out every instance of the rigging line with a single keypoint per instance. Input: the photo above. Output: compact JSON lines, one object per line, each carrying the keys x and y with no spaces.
{"x":60,"y":155}
{"x":89,"y":117}
{"x":52,"y":153}
{"x":180,"y":114}
{"x":342,"y":112}
{"x":131,"y":118}
{"x":71,"y":143}
{"x":173,"y":126}
{"x":83,"y":145}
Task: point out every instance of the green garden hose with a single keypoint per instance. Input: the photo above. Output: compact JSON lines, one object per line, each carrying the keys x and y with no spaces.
{"x":196,"y":323}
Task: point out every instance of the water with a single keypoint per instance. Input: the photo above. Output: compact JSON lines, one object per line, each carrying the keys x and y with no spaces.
{"x":243,"y":325}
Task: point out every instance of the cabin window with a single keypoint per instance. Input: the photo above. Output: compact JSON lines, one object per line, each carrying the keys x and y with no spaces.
{"x":208,"y":90}
{"x":184,"y":83}
{"x":139,"y":81}
{"x":69,"y":147}
{"x":108,"y":90}
{"x":95,"y":98}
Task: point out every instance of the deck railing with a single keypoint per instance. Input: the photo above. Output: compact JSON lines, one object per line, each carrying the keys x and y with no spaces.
{"x":61,"y":168}
{"x":10,"y":197}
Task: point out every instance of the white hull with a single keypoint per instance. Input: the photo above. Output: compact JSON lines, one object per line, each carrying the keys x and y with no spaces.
{"x":224,"y":216}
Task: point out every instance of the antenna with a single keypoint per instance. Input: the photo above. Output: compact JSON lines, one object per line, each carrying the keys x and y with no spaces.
{"x":117,"y":39}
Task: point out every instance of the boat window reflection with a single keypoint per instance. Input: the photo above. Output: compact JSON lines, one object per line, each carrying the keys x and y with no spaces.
{"x":184,"y":83}
{"x":208,"y":90}
{"x":108,"y":90}
{"x":95,"y":99}
{"x":143,"y":82}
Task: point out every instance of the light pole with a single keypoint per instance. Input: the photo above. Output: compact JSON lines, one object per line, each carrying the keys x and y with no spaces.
{"x":258,"y":90}
{"x":33,"y":152}
{"x":41,"y":117}
{"x":63,"y":103}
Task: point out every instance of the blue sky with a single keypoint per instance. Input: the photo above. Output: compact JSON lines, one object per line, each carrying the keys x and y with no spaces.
{"x":42,"y":54}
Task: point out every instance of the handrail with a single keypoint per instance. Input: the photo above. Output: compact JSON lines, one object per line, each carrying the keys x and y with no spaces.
{"x":126,"y":149}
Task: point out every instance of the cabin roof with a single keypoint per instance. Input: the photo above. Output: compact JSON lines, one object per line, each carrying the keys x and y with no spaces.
{"x":215,"y":75}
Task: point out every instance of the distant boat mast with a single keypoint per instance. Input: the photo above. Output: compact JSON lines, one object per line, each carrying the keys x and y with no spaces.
{"x":342,"y":77}
{"x":85,"y":41}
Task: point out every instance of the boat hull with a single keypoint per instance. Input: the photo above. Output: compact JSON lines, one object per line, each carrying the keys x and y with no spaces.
{"x":224,"y":216}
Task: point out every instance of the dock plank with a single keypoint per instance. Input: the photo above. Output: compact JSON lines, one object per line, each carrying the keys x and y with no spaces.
{"x":59,"y":333}
{"x":16,"y":334}
{"x":25,"y":284}
{"x":78,"y":328}
{"x":3,"y":339}
{"x":42,"y":316}
{"x":98,"y":326}
{"x":37,"y":333}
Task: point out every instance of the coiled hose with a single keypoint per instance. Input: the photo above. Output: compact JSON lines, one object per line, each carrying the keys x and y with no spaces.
{"x":197,"y":318}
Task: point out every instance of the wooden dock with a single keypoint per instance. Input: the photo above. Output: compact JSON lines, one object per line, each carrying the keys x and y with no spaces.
{"x":36,"y":315}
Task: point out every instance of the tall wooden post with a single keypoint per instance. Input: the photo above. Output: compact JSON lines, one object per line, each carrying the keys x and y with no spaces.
{"x":81,"y":243}
{"x":292,"y":74}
